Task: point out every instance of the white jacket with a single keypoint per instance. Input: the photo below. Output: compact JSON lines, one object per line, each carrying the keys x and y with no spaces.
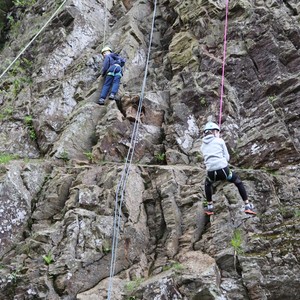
{"x":215,"y":153}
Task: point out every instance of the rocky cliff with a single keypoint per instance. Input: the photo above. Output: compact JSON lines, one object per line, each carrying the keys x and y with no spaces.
{"x":62,"y":155}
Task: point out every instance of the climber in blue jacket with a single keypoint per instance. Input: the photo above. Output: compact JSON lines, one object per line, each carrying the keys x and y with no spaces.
{"x":216,"y":158}
{"x":112,"y":69}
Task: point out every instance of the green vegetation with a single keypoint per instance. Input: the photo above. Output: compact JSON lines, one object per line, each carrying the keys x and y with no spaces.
{"x":133,"y":285}
{"x":14,"y":26}
{"x":20,"y":67}
{"x":270,"y":171}
{"x":24,"y":2}
{"x":236,"y":242}
{"x":64,"y":156}
{"x":160,"y":157}
{"x":106,"y":248}
{"x":13,"y":276}
{"x":17,"y":86}
{"x":199,"y":157}
{"x":48,"y":259}
{"x":16,"y":69}
{"x":6,"y":114}
{"x":19,"y":76}
{"x":297,"y":213}
{"x":5,"y":158}
{"x":287,"y":212}
{"x":272,"y":98}
{"x":29,"y":123}
{"x":176,"y":266}
{"x":89,"y":156}
{"x":203,"y":101}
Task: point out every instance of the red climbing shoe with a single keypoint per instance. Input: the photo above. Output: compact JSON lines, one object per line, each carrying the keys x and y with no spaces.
{"x":209,"y":209}
{"x":249,"y":209}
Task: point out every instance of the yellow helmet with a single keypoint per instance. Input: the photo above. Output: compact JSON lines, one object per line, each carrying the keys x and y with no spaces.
{"x":106,"y":48}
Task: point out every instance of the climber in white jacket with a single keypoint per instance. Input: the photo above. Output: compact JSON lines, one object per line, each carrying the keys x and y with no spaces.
{"x":216,"y":158}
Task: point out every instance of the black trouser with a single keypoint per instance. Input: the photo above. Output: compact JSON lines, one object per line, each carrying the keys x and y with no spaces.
{"x":223,"y":174}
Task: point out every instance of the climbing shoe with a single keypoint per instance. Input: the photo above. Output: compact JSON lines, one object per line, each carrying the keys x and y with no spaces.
{"x":249,"y":209}
{"x":101,"y":101}
{"x":112,"y":97}
{"x":209,"y":209}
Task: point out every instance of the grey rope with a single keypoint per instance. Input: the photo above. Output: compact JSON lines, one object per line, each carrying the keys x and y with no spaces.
{"x":120,"y":192}
{"x":33,"y":39}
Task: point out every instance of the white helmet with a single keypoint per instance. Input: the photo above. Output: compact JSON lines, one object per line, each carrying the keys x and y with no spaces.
{"x":106,"y":48}
{"x":211,"y":126}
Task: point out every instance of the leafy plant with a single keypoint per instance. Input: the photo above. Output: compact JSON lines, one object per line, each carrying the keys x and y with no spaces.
{"x":106,"y":248}
{"x":5,"y":158}
{"x":26,"y":63}
{"x":14,"y":26}
{"x":24,"y":2}
{"x":177,"y":266}
{"x":14,"y":275}
{"x":29,"y":123}
{"x":28,"y":120}
{"x":11,"y":20}
{"x":199,"y":157}
{"x":7,"y":112}
{"x":64,"y":156}
{"x":134,"y":284}
{"x":16,"y":69}
{"x":272,"y":98}
{"x":174,"y":266}
{"x":236,"y":242}
{"x":297,"y":213}
{"x":160,"y":157}
{"x":17,"y":86}
{"x":89,"y":156}
{"x":48,"y":259}
{"x":203,"y":101}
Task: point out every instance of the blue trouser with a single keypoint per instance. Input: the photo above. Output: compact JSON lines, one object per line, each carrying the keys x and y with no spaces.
{"x":112,"y":80}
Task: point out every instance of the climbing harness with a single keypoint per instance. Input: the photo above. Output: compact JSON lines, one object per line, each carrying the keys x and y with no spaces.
{"x":223,"y":64}
{"x":215,"y":173}
{"x":113,"y":72}
{"x":33,"y":39}
{"x":120,"y":192}
{"x":229,"y":176}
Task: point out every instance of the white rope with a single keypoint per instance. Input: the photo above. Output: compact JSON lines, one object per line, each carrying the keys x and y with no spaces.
{"x":33,"y":39}
{"x":126,"y":170}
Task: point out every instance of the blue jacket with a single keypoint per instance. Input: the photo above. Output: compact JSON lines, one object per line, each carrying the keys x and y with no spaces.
{"x":109,"y":60}
{"x":215,"y":153}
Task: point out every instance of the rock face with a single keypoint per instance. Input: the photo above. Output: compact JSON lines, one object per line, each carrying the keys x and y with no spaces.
{"x":60,"y":199}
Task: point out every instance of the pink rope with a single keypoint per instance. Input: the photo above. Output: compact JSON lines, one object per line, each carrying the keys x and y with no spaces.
{"x":223,"y":65}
